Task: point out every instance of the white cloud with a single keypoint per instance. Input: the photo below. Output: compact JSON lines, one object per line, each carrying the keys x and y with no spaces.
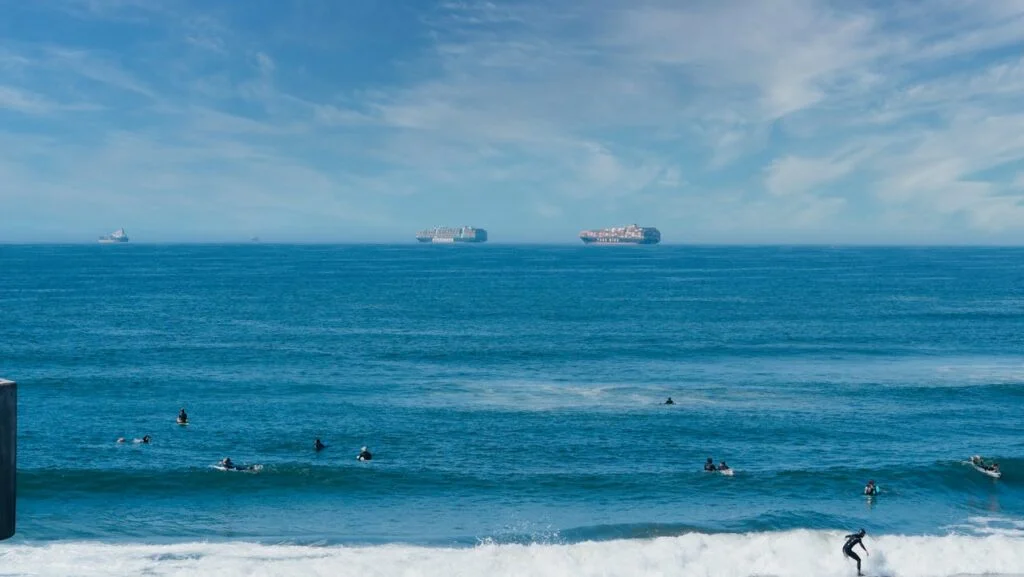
{"x":791,"y":175}
{"x":783,"y":116}
{"x":265,"y":64}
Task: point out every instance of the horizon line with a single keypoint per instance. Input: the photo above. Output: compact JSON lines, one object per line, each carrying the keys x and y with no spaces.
{"x":518,"y":243}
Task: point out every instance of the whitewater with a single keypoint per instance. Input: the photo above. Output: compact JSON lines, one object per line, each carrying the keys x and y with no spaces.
{"x":797,"y":553}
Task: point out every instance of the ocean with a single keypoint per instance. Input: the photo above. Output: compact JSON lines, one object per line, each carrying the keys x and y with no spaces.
{"x":512,"y":397}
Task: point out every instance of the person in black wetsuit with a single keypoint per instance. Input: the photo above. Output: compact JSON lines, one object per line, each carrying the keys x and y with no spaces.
{"x":364,"y":455}
{"x":182,"y":416}
{"x":852,"y":541}
{"x":670,"y":401}
{"x":318,"y":446}
{"x":709,"y":465}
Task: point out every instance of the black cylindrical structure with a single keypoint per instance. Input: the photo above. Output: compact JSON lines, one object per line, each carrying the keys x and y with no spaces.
{"x":8,"y":456}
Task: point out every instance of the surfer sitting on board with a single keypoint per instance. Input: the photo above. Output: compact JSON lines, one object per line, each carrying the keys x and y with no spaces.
{"x":182,"y":416}
{"x":670,"y":401}
{"x":852,"y":541}
{"x":364,"y":455}
{"x":723,"y":467}
{"x":318,"y":446}
{"x":709,"y":465}
{"x":871,"y":488}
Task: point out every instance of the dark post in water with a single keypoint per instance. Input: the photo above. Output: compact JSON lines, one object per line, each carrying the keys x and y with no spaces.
{"x":8,"y":454}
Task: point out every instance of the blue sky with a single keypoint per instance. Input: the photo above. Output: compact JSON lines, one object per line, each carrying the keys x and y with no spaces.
{"x":332,"y":120}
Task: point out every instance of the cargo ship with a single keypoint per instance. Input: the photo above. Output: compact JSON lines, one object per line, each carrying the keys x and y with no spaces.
{"x":116,"y":236}
{"x":445,"y":234}
{"x":631,"y":234}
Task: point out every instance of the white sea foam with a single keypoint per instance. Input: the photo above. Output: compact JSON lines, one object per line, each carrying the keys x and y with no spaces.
{"x":792,"y":553}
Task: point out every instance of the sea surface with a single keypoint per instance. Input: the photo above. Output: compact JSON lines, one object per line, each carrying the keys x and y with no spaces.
{"x":512,"y":397}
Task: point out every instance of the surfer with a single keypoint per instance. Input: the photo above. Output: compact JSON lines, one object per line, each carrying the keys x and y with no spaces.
{"x":145,"y":439}
{"x":120,"y":439}
{"x":979,"y":462}
{"x":871,"y":488}
{"x":723,"y":467}
{"x":670,"y":401}
{"x":852,"y":541}
{"x":318,"y":446}
{"x":364,"y":455}
{"x":709,"y":465}
{"x":226,"y":463}
{"x":182,"y":416}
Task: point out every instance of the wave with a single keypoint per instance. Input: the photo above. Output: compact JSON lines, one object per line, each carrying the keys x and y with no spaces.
{"x":798,"y":553}
{"x":951,"y":476}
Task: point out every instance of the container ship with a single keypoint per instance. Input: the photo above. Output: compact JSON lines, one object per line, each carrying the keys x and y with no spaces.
{"x":631,"y":234}
{"x":116,"y":236}
{"x":444,"y":234}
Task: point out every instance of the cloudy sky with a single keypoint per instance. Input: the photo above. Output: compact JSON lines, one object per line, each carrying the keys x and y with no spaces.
{"x":342,"y":120}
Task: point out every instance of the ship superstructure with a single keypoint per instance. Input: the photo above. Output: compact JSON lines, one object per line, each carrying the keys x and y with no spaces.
{"x":631,"y":234}
{"x":446,"y":234}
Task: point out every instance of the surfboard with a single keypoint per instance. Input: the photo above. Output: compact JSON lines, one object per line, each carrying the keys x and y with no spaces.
{"x":185,"y":424}
{"x":239,"y":468}
{"x":984,"y":471}
{"x":727,"y":472}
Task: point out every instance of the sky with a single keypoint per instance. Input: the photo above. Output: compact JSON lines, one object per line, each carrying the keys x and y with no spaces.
{"x":717,"y":121}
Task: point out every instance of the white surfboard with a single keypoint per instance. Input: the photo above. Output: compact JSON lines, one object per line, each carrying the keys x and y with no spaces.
{"x":185,"y":424}
{"x":727,"y":472}
{"x":984,"y":471}
{"x":239,"y":468}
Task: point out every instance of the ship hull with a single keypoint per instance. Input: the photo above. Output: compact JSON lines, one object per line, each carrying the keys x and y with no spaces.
{"x":619,"y":241}
{"x":631,"y":234}
{"x":450,"y":240}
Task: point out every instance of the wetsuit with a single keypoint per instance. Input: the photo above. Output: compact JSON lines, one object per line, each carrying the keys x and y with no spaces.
{"x":852,"y":541}
{"x":365,"y":456}
{"x":318,"y":445}
{"x":670,"y":402}
{"x":709,"y":467}
{"x":182,"y":417}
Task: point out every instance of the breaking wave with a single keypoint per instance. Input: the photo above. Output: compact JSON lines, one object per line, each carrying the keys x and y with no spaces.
{"x":799,"y":553}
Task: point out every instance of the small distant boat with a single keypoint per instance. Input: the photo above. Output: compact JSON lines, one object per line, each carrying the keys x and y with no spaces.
{"x":116,"y":236}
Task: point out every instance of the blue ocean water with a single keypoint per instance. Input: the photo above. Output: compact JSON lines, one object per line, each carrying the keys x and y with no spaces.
{"x":512,"y":397}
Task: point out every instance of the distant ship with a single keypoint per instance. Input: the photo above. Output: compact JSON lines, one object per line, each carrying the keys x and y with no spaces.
{"x":444,"y":234}
{"x":631,"y":234}
{"x":116,"y":236}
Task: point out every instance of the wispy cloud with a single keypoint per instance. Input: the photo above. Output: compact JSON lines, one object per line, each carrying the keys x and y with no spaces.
{"x":796,"y":119}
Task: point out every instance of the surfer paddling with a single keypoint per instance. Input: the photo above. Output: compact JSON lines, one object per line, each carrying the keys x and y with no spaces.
{"x":980,"y":463}
{"x":852,"y":541}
